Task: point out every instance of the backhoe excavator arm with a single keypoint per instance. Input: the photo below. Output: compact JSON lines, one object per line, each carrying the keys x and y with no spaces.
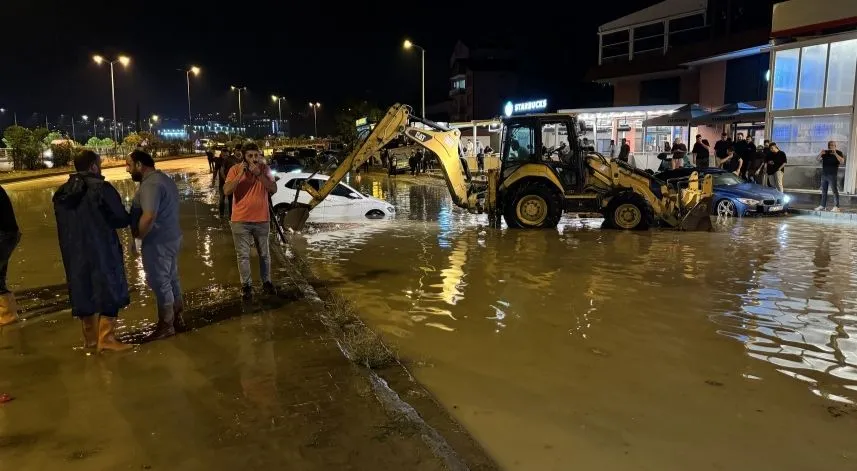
{"x":439,"y":140}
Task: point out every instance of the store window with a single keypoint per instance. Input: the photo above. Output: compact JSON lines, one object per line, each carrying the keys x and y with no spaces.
{"x":803,"y":137}
{"x":458,"y":84}
{"x":840,"y":73}
{"x":813,"y":64}
{"x":785,"y":79}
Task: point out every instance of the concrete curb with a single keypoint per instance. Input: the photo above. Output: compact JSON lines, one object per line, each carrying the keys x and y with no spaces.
{"x":390,"y":400}
{"x":827,"y":215}
{"x":69,"y":171}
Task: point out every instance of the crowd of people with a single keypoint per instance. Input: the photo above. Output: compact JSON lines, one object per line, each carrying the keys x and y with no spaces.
{"x":89,"y":211}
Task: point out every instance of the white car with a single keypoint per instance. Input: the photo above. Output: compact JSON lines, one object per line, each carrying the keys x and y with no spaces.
{"x":343,"y":204}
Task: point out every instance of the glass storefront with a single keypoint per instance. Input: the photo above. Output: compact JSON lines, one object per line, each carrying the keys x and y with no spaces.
{"x":811,"y":103}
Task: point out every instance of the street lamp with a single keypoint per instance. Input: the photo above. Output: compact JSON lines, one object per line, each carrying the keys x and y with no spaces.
{"x":193,"y":70}
{"x":95,"y":126}
{"x":124,"y":60}
{"x":279,"y":101}
{"x":14,"y":115}
{"x":408,"y":45}
{"x":315,"y":107}
{"x":154,"y":119}
{"x":240,"y":114}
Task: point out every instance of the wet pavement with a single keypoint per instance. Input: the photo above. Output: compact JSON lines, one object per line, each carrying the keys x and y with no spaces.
{"x":257,"y":385}
{"x":589,"y":349}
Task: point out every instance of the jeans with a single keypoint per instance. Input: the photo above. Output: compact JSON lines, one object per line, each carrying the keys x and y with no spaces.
{"x":8,"y":242}
{"x":225,"y":206}
{"x":829,"y":180}
{"x":244,"y":234}
{"x":776,"y":180}
{"x":161,"y":263}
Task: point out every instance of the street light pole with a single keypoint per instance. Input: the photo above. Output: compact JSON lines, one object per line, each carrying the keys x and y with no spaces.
{"x":194,"y":70}
{"x":408,"y":45}
{"x":314,"y":107}
{"x":73,"y":137}
{"x":279,"y":101}
{"x":124,"y":60}
{"x":240,"y":113}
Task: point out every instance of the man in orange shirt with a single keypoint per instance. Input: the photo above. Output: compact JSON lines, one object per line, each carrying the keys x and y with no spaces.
{"x":250,"y":183}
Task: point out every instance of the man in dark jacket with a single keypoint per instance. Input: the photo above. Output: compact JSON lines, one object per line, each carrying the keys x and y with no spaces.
{"x":88,"y":212}
{"x":9,"y":238}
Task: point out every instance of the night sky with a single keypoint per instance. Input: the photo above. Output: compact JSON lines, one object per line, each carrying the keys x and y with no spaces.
{"x":319,"y":51}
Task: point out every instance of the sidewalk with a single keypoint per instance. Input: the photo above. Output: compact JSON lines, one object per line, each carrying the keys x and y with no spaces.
{"x":24,"y":175}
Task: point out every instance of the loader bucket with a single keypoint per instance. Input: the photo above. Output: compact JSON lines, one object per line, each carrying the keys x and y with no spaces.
{"x":296,"y":217}
{"x":699,"y":217}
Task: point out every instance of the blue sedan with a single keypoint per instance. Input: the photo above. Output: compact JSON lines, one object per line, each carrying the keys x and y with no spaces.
{"x":733,"y":196}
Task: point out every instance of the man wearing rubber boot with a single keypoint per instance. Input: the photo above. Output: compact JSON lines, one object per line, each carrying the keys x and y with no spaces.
{"x":9,"y":238}
{"x":88,"y":211}
{"x":155,"y":222}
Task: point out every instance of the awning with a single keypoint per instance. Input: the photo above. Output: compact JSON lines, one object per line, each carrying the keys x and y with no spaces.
{"x":680,"y":117}
{"x":732,"y":113}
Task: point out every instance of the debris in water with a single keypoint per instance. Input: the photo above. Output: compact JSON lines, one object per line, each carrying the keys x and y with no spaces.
{"x":711,"y":382}
{"x":4,"y":398}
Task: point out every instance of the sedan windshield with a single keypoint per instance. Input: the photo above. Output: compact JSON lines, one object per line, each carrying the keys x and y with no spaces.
{"x":726,"y":179}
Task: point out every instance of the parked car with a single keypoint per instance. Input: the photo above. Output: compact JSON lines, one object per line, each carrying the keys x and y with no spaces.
{"x":282,"y":162}
{"x":343,"y":204}
{"x":734,"y":196}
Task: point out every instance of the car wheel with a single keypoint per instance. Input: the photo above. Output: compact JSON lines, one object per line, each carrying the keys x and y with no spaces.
{"x":375,"y":214}
{"x":726,"y":208}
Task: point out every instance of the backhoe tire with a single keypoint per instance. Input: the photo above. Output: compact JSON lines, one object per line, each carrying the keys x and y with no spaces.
{"x":532,"y":205}
{"x":628,"y":211}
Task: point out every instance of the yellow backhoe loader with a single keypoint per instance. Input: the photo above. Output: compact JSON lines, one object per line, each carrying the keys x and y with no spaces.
{"x":535,"y":183}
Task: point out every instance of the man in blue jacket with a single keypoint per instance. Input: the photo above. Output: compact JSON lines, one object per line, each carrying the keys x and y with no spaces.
{"x":88,"y":212}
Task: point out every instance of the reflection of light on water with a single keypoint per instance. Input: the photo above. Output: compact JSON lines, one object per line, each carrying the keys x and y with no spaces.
{"x":453,"y":277}
{"x":444,"y":222}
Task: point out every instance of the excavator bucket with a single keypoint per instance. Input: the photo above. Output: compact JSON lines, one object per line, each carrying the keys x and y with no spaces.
{"x":699,"y":216}
{"x":296,"y":217}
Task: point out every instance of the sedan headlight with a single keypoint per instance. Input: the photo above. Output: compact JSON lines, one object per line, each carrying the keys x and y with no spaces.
{"x":787,"y":199}
{"x":750,"y":201}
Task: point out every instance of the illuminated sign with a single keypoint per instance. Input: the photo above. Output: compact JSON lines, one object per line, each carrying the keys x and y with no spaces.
{"x":361,"y":122}
{"x":525,"y":107}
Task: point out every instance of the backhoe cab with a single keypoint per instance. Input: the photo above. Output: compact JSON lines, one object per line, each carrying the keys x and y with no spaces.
{"x":543,"y":173}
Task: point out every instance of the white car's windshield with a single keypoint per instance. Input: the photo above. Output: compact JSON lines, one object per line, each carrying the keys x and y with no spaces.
{"x":726,"y":179}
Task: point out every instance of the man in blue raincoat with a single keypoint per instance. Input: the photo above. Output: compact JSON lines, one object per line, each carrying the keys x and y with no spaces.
{"x":88,"y":212}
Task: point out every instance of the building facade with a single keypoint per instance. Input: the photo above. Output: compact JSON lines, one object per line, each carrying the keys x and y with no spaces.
{"x":710,"y":52}
{"x":481,"y":79}
{"x":811,"y":94}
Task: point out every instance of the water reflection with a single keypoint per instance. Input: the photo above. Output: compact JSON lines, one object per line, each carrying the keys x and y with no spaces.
{"x":783,"y":288}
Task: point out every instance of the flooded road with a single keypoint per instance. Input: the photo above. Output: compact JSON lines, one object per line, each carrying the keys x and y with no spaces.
{"x":590,"y":349}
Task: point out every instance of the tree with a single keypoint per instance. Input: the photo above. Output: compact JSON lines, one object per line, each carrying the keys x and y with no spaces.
{"x":346,"y":120}
{"x":25,"y":148}
{"x":133,"y":140}
{"x":40,"y":134}
{"x":52,"y":136}
{"x":62,"y":153}
{"x":93,"y":142}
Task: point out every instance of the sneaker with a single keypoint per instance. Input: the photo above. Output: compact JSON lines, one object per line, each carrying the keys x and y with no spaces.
{"x":269,"y":289}
{"x":246,"y":292}
{"x":836,"y":209}
{"x":819,"y":208}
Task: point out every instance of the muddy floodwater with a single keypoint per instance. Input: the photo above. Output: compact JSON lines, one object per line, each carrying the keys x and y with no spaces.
{"x":601,"y":350}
